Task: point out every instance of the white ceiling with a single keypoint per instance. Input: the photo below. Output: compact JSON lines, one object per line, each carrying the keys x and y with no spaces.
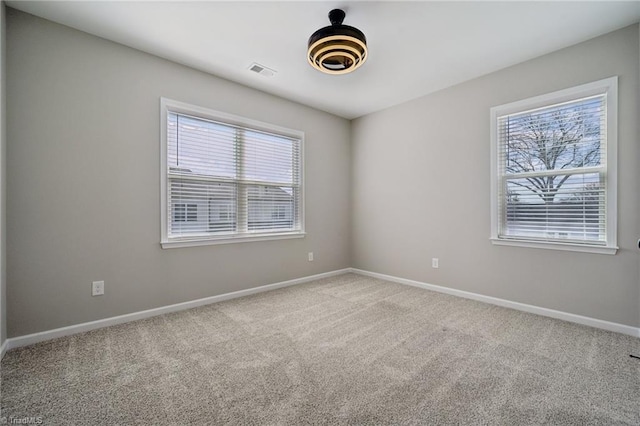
{"x":415,"y":48}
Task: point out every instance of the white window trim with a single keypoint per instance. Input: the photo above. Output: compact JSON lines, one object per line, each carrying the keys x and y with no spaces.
{"x":169,"y":105}
{"x":608,"y":86}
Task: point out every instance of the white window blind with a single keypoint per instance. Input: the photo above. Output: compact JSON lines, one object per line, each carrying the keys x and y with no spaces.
{"x":229,"y":181}
{"x":553,"y":182}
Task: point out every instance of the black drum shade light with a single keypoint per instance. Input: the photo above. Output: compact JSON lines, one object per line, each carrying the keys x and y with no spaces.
{"x":337,"y":49}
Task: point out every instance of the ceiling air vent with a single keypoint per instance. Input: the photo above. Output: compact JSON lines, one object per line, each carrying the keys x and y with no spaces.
{"x":262,"y":70}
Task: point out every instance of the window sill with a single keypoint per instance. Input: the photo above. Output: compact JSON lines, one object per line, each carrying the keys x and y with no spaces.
{"x":611,"y":250}
{"x":229,"y":239}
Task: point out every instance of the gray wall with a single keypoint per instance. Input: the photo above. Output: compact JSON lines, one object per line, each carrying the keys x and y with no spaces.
{"x":421,"y":189}
{"x":83,"y":184}
{"x":3,"y":180}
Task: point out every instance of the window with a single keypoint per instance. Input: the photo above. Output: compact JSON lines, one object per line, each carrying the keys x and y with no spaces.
{"x":553,"y":170}
{"x":226,"y":178}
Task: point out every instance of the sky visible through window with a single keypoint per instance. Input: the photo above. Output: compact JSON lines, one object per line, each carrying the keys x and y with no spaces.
{"x":553,"y":181}
{"x":206,"y":148}
{"x":562,"y":138}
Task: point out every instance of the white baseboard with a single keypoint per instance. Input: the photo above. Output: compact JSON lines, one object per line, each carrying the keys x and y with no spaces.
{"x":29,"y":339}
{"x":16,"y":342}
{"x":579,"y":319}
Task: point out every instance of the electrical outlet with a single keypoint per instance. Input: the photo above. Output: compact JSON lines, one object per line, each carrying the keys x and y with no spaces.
{"x":435,"y":263}
{"x":97,"y":288}
{"x":310,"y":256}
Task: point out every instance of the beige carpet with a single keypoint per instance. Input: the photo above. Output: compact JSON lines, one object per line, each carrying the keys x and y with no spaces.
{"x":343,"y":350}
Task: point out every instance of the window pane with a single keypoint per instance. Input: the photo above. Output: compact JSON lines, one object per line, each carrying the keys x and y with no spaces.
{"x":269,"y":158}
{"x":561,"y":207}
{"x":270,"y":207}
{"x":201,"y":207}
{"x":200,"y":147}
{"x":559,"y":137}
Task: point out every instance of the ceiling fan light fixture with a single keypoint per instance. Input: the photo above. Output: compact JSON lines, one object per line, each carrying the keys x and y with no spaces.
{"x":338,"y":48}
